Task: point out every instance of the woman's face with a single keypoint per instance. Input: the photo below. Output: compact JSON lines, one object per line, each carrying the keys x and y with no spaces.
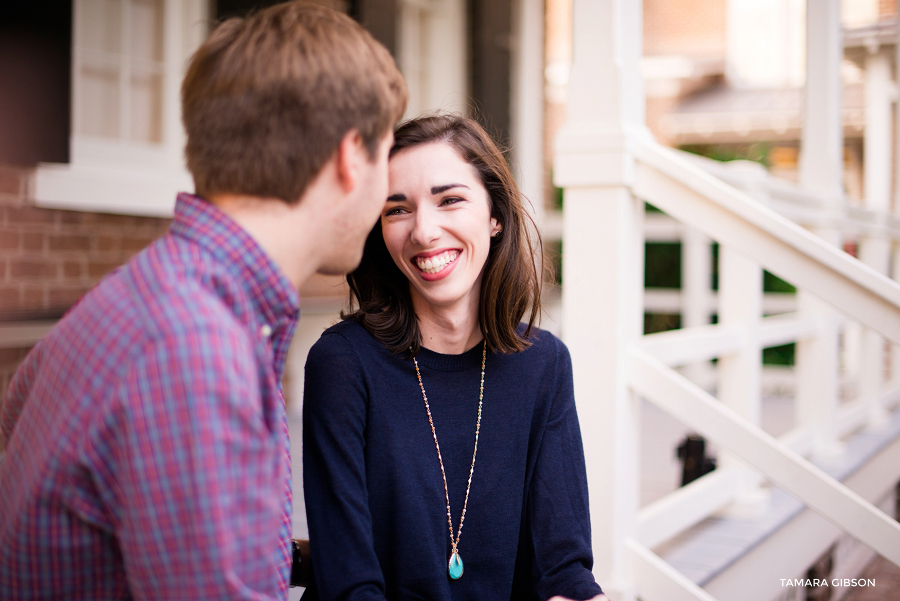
{"x":437,"y":224}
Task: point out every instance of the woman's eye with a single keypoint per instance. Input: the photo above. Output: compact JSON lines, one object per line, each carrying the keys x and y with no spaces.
{"x":395,"y":211}
{"x":451,"y":200}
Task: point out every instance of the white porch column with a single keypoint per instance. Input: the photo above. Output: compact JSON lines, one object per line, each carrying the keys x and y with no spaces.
{"x":874,"y":248}
{"x":527,"y":113}
{"x":821,"y":171}
{"x":895,"y":350}
{"x":603,"y":267}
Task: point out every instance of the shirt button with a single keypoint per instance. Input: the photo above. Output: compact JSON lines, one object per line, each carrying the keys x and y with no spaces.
{"x":266,"y":330}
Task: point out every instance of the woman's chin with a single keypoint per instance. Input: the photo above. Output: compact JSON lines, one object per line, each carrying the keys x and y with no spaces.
{"x":439,"y":296}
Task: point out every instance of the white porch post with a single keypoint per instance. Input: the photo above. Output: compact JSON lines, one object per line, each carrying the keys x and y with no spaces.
{"x":874,"y":248}
{"x":603,"y":266}
{"x":895,"y":350}
{"x":821,"y":171}
{"x":528,"y":101}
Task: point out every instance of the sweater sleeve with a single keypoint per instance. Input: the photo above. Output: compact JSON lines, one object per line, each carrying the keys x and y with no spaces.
{"x":558,"y":517}
{"x":334,"y":474}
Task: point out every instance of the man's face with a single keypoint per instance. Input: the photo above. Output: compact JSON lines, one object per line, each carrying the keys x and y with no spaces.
{"x":361,"y":210}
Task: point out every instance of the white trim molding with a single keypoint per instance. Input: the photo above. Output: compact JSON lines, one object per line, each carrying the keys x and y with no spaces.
{"x":117,"y":172}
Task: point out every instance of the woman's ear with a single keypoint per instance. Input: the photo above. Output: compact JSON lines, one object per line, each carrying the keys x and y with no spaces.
{"x":496,"y":227}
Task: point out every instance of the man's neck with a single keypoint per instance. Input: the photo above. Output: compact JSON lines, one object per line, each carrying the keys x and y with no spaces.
{"x":283,"y":231}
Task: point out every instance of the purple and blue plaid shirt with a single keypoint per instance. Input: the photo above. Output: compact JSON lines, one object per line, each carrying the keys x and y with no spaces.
{"x":147,"y":453}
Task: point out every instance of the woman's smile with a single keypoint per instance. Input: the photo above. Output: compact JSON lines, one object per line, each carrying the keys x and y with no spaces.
{"x":436,"y":265}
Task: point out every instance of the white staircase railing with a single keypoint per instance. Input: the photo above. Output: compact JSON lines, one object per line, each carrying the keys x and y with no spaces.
{"x":707,"y":204}
{"x":686,"y":192}
{"x":608,"y":166}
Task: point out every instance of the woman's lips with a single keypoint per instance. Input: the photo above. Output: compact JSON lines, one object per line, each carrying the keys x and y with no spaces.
{"x":434,"y":266}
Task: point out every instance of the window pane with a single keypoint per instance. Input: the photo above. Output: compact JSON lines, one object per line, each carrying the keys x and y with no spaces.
{"x":146,"y":107}
{"x":100,"y":104}
{"x":101,"y":25}
{"x":146,"y":30}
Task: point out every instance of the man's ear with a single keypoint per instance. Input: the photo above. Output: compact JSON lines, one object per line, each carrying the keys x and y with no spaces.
{"x":350,"y":152}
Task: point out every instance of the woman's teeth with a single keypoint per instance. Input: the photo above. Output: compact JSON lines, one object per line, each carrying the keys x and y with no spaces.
{"x":438,"y":262}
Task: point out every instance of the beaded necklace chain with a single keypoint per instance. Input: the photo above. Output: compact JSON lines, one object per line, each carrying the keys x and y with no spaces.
{"x":455,"y":565}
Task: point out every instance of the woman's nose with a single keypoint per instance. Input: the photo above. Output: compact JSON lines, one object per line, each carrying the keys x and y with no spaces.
{"x":425,"y":228}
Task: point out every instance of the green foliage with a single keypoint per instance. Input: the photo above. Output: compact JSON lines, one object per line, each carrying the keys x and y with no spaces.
{"x":662,"y":265}
{"x":780,"y":355}
{"x":553,"y":256}
{"x":660,"y":322}
{"x":773,"y":283}
{"x":757,"y":152}
{"x":558,"y":198}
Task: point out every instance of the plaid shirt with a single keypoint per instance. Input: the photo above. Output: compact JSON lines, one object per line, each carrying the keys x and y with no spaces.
{"x":147,"y":453}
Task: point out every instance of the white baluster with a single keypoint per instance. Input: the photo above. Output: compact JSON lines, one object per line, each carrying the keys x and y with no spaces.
{"x":821,"y":172}
{"x":874,"y":248}
{"x":696,"y":282}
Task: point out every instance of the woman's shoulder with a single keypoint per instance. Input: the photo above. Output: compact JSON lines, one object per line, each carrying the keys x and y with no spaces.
{"x":544,"y":343}
{"x":345,"y":335}
{"x":545,"y":352}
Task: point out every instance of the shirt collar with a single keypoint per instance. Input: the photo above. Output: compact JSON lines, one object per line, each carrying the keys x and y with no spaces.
{"x":271,"y":292}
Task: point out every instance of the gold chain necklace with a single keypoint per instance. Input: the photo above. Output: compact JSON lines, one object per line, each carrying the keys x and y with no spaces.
{"x":455,"y":565}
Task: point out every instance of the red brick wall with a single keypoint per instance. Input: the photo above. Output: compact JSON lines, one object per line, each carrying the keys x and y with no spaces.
{"x":50,"y":258}
{"x":690,"y":27}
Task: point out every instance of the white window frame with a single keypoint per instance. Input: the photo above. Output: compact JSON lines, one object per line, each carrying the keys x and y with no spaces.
{"x":432,"y":55}
{"x":118,"y":175}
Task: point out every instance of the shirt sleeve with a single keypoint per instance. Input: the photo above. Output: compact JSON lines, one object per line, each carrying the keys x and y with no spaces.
{"x":188,"y":462}
{"x":557,"y":514}
{"x":334,"y":474}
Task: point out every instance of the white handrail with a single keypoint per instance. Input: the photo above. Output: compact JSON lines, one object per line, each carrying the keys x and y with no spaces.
{"x":658,"y":581}
{"x":701,"y":343}
{"x":698,"y":199}
{"x":699,"y":410}
{"x":679,"y":510}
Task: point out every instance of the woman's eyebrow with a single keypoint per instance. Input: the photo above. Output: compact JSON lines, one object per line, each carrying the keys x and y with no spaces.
{"x":396,"y":197}
{"x":445,"y":187}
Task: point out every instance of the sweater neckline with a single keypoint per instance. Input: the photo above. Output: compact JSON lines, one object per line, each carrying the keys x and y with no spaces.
{"x":441,"y":362}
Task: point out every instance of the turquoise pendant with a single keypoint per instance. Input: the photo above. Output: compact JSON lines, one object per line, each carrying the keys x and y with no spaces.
{"x":455,"y":567}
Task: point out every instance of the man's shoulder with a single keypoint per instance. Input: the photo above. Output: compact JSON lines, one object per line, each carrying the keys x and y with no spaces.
{"x":160,"y":294}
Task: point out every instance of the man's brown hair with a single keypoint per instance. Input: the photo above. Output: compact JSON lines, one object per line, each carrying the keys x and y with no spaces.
{"x":268,"y":98}
{"x":511,"y":282}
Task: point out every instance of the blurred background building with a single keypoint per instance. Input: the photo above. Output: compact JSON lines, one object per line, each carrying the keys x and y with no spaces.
{"x":91,"y":156}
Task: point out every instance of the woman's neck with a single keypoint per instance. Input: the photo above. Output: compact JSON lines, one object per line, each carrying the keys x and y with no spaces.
{"x":450,"y":330}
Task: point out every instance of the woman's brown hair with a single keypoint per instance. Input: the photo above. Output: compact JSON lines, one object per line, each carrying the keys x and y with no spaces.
{"x":511,"y":285}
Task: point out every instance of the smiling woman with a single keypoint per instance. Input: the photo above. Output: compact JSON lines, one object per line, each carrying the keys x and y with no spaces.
{"x":451,"y":191}
{"x":438,"y":233}
{"x":431,"y":407}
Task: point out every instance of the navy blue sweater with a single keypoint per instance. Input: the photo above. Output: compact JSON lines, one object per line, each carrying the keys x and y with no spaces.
{"x":374,"y":493}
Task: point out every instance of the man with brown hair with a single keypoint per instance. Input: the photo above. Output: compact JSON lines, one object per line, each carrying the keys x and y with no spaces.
{"x":147,"y":453}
